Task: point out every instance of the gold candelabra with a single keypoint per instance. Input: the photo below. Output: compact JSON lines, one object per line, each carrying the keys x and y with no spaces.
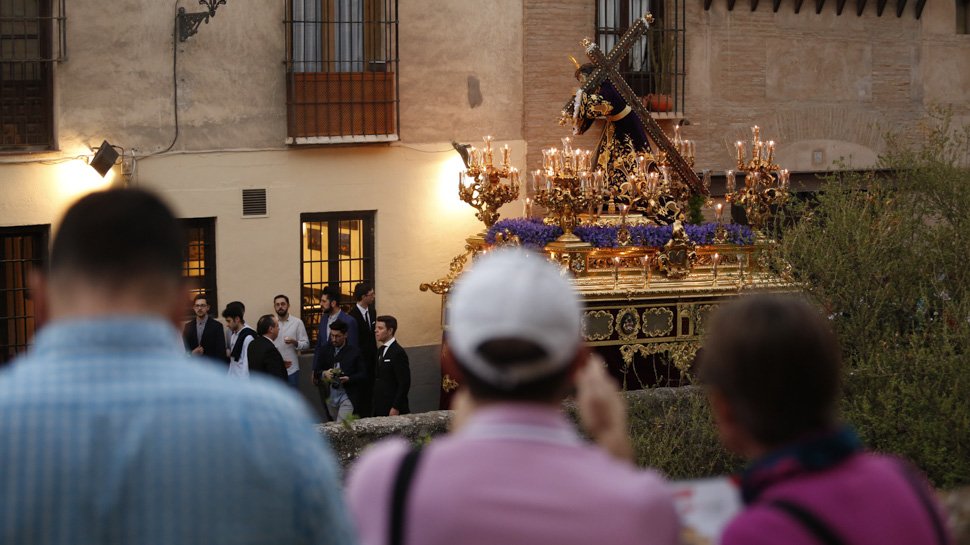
{"x":761,"y":190}
{"x":566,"y":186}
{"x":485,"y":186}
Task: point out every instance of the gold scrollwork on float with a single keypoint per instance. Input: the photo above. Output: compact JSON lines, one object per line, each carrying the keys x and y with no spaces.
{"x":443,"y":285}
{"x":627,"y":323}
{"x":701,"y":313}
{"x":682,"y":354}
{"x":658,"y":322}
{"x":577,"y":262}
{"x":679,"y":255}
{"x":449,"y":384}
{"x":597,"y":325}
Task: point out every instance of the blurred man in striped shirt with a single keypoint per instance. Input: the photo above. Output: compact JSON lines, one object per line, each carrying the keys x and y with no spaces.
{"x":109,"y":434}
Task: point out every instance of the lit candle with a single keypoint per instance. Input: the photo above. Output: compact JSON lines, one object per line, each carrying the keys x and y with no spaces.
{"x":505,"y":155}
{"x":717,"y":258}
{"x":536,"y":180}
{"x":771,"y":150}
{"x":729,"y":181}
{"x":783,"y":177}
{"x":740,"y":146}
{"x":676,"y":134}
{"x":756,"y":132}
{"x":598,"y":181}
{"x":528,"y":207}
{"x":566,"y":148}
{"x":718,"y":208}
{"x":487,"y":152}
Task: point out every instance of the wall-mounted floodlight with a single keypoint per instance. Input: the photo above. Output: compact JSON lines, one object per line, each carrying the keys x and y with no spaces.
{"x":104,"y":158}
{"x":462,"y":150}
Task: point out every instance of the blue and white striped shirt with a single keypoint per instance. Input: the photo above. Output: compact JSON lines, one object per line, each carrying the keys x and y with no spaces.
{"x":110,"y":434}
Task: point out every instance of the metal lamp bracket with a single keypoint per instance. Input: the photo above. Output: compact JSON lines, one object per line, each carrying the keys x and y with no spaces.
{"x":188,"y":23}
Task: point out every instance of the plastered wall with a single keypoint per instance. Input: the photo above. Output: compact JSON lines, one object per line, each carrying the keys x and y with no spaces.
{"x":460,"y":79}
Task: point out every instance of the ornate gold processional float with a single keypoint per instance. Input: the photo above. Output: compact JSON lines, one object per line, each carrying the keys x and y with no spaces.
{"x":615,"y":219}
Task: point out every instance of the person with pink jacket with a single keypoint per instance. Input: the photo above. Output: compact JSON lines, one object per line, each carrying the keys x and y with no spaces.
{"x":772,"y":367}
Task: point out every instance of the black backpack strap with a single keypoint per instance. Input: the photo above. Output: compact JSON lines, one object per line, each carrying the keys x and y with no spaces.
{"x":809,"y":521}
{"x":918,"y":484}
{"x":402,"y":483}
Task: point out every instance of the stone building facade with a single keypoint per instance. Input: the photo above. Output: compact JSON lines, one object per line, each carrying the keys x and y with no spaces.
{"x":465,"y":69}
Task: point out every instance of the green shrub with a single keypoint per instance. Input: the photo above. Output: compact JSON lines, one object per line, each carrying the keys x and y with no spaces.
{"x":886,"y":255}
{"x":678,"y":437}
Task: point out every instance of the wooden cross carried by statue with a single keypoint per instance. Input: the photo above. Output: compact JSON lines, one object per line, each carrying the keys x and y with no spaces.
{"x":605,"y":68}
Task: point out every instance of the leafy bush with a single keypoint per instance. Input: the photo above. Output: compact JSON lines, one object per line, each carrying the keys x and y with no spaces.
{"x":679,"y":437}
{"x":886,"y":256}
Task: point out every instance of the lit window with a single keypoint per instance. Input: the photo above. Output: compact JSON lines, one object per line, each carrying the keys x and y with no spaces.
{"x":337,"y":251}
{"x":21,"y":249}
{"x":199,"y":260}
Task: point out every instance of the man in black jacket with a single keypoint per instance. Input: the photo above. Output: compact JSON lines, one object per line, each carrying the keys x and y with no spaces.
{"x":262,"y":354}
{"x":339,"y":374}
{"x":364,"y":313}
{"x":204,"y":336}
{"x":393,"y":371}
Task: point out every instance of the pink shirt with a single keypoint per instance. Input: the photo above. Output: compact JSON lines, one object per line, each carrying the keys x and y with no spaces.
{"x":517,"y":474}
{"x":865,"y":500}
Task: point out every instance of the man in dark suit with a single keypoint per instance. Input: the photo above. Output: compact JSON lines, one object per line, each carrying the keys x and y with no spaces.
{"x":393,"y":374}
{"x":330,"y":303}
{"x":364,"y":313}
{"x":339,"y":374}
{"x":262,"y":354}
{"x":204,"y":336}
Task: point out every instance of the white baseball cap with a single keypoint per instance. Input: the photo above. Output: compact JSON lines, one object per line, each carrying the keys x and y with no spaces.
{"x":514,"y":294}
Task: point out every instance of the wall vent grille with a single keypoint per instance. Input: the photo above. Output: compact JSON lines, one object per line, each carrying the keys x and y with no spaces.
{"x":254,"y":202}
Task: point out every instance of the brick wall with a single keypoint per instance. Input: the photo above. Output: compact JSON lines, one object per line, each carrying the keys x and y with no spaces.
{"x":821,"y":85}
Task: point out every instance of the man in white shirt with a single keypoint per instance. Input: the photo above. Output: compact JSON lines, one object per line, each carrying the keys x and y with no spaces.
{"x":291,"y":339}
{"x":239,"y":340}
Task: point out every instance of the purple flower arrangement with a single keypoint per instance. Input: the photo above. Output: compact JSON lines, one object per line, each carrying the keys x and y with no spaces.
{"x":532,"y":232}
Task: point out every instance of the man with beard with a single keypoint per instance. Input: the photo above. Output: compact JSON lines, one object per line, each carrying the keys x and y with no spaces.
{"x":330,"y":301}
{"x":204,"y":336}
{"x":291,"y":339}
{"x":340,"y":375}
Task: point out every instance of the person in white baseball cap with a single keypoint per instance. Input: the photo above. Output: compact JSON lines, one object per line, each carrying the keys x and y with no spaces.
{"x":514,"y":323}
{"x":515,"y":471}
